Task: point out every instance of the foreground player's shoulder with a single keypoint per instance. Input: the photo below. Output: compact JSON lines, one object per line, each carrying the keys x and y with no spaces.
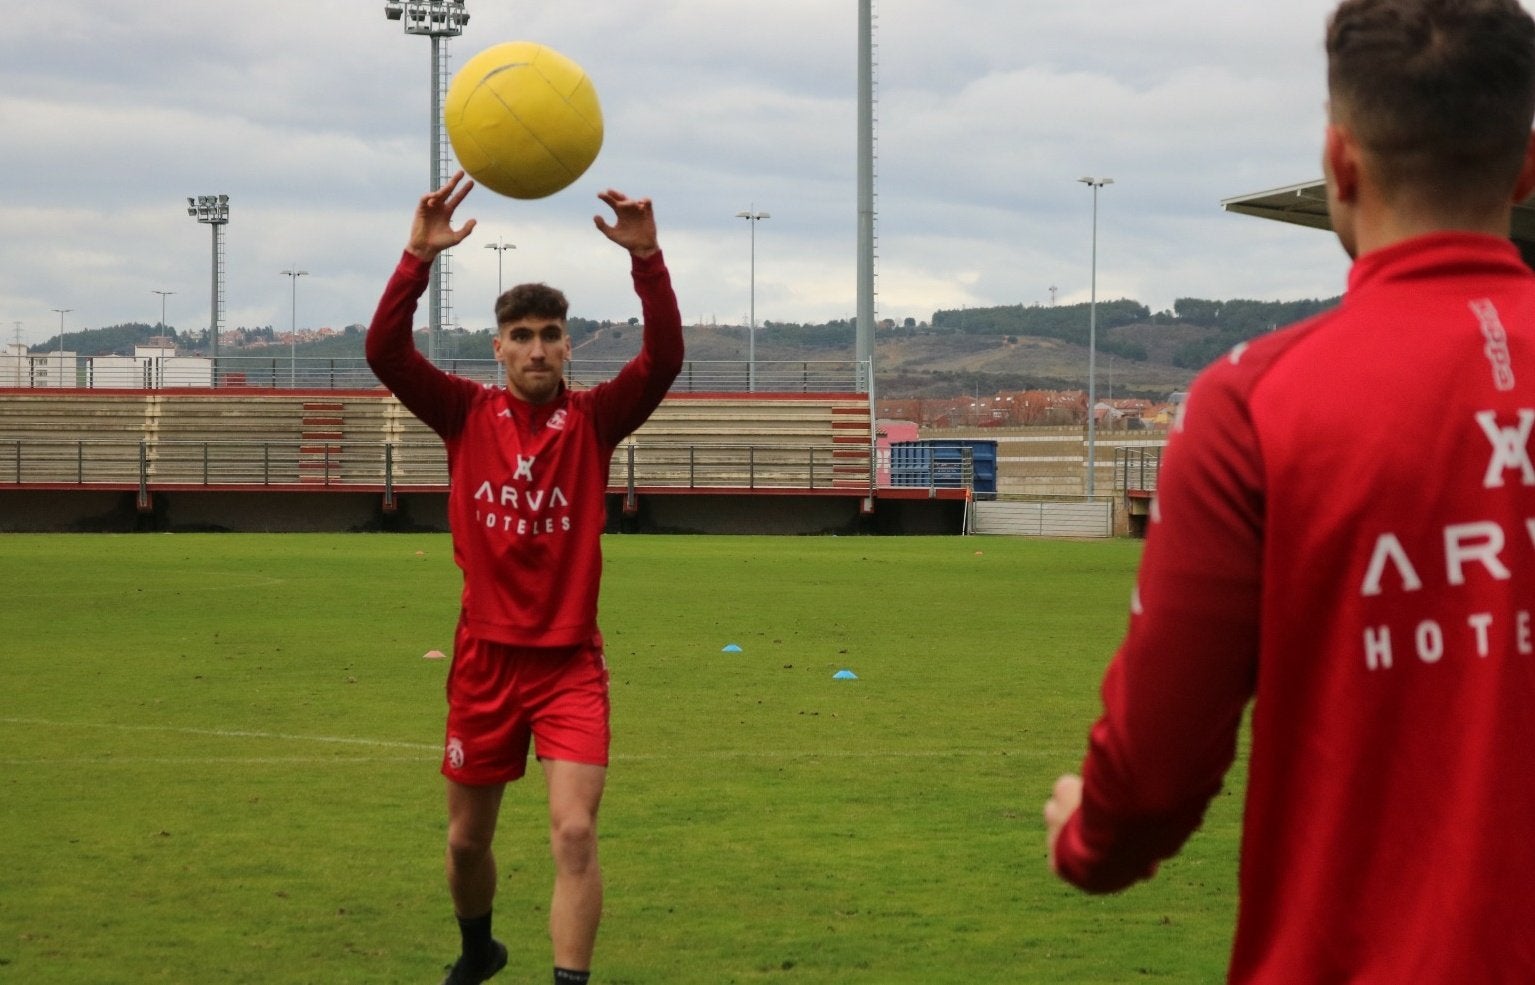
{"x":1245,"y":366}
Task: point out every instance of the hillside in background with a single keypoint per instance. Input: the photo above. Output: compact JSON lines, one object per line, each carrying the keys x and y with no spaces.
{"x":1013,"y":347}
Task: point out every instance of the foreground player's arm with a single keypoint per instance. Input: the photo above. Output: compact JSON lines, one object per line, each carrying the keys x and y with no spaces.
{"x":432,"y":395}
{"x":630,"y":397}
{"x":1174,"y":694}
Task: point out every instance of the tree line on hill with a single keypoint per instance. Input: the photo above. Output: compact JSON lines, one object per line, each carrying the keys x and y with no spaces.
{"x":1223,"y":325}
{"x":1226,"y":323}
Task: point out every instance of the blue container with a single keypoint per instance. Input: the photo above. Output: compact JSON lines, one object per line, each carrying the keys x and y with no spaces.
{"x":940,"y":464}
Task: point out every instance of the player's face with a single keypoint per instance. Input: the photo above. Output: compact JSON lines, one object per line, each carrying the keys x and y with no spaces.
{"x":533,"y":353}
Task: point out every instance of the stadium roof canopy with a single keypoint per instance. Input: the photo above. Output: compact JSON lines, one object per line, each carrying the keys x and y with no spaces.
{"x":1306,"y":205}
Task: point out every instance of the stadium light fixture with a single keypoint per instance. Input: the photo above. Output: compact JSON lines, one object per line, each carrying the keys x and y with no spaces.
{"x":62,"y":312}
{"x":1092,"y":340}
{"x":213,"y":210}
{"x":752,"y":217}
{"x":293,"y":274}
{"x":163,"y":296}
{"x":438,"y":20}
{"x":500,"y":249}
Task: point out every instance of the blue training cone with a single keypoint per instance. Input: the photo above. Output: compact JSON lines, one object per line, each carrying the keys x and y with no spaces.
{"x":844,"y":675}
{"x":731,"y":648}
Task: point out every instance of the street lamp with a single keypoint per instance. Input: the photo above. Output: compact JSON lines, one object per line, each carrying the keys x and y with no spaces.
{"x":213,"y":210}
{"x":62,"y":312}
{"x":1092,"y":341}
{"x":438,"y":20}
{"x":163,"y":295}
{"x":500,"y":249}
{"x":293,"y":274}
{"x":752,"y":217}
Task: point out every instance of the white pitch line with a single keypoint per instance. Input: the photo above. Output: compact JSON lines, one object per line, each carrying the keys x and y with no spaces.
{"x":227,"y":733}
{"x":636,"y":757}
{"x":217,"y":760}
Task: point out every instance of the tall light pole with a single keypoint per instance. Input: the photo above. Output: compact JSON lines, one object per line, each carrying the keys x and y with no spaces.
{"x":500,"y":249}
{"x":438,"y":20}
{"x":752,"y":217}
{"x":1092,"y":341}
{"x":163,"y":296}
{"x":863,"y":335}
{"x":293,"y":274}
{"x":62,"y":312}
{"x":213,"y":210}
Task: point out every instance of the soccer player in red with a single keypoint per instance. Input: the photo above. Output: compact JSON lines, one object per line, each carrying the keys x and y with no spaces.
{"x":1344,"y":534}
{"x":528,"y":465}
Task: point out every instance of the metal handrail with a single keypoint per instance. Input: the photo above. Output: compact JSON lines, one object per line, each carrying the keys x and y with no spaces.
{"x":396,"y":465}
{"x":285,"y":372}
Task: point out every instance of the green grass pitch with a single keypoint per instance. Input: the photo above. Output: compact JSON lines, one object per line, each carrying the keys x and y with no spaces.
{"x":218,"y":762}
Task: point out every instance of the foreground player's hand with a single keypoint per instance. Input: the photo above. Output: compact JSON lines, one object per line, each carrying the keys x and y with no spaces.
{"x":634,"y":225}
{"x":431,"y":231}
{"x":1064,"y":801}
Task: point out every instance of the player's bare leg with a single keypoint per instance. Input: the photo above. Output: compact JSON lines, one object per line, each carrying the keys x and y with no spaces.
{"x":575,"y":792}
{"x":471,"y":868}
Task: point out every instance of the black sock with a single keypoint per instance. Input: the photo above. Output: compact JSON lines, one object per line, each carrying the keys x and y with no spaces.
{"x":564,"y":976}
{"x":476,"y":934}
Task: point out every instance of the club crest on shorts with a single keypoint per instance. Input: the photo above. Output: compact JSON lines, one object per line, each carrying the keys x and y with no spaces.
{"x":456,"y":752}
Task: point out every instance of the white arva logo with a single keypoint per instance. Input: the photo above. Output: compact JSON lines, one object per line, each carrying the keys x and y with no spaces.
{"x":456,"y":753}
{"x":1510,"y":448}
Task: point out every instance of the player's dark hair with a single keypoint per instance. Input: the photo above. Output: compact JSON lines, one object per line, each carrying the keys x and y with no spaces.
{"x":1440,"y":92}
{"x":531,"y":301}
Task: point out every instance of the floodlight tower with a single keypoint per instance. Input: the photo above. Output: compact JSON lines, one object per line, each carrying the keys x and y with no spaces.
{"x":1092,"y":340}
{"x":864,"y":333}
{"x":213,"y":210}
{"x":438,"y":20}
{"x":752,"y":216}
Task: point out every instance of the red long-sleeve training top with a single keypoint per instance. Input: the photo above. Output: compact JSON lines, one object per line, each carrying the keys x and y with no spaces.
{"x":527,"y":483}
{"x":1345,"y":533}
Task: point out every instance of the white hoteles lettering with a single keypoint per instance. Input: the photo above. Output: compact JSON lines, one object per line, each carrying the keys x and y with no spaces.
{"x":1432,"y":640}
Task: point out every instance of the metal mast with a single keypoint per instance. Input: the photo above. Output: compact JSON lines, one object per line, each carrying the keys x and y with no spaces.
{"x":438,"y":20}
{"x":864,"y":345}
{"x":213,"y":210}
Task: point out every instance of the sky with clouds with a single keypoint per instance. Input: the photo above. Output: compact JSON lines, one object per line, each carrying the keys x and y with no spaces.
{"x":313,"y":117}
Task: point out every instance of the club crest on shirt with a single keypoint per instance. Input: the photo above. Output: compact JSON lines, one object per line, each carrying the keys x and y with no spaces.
{"x":557,"y":420}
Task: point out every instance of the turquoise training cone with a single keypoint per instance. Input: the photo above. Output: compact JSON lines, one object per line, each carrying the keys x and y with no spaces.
{"x":731,"y":648}
{"x":845,"y":675}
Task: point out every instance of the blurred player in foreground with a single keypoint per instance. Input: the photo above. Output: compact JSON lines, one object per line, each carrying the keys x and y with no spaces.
{"x":1345,"y":534}
{"x":528,"y":465}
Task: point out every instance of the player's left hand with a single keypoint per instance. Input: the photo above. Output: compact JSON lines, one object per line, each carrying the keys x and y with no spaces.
{"x":635,"y":225}
{"x":1064,"y":801}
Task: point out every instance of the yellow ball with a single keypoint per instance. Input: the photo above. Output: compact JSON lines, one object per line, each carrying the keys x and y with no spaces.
{"x":523,"y":119}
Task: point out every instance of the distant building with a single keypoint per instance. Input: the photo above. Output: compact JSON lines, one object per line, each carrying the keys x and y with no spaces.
{"x":153,"y":366}
{"x":21,"y":368}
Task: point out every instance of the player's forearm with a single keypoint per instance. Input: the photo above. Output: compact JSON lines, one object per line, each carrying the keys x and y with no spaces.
{"x":662,"y":345}
{"x":390,"y":344}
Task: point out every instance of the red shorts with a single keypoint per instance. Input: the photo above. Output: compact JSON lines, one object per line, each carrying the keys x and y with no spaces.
{"x":501,"y":696}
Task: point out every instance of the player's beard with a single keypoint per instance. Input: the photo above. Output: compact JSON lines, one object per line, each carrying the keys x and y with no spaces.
{"x":533,"y":386}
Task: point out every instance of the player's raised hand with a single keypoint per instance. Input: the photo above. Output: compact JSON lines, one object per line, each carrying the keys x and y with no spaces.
{"x":634,"y":227}
{"x":431,"y":231}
